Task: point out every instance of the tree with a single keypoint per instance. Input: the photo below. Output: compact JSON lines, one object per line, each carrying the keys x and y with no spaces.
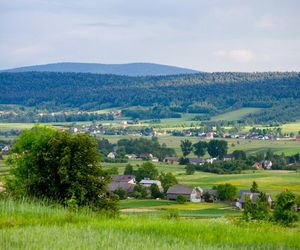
{"x":226,"y":192}
{"x":105,"y":146}
{"x":186,"y":147}
{"x":269,"y":155}
{"x":181,"y":199}
{"x":46,"y":163}
{"x":190,"y":169}
{"x":254,"y":187}
{"x":239,"y":155}
{"x":284,"y":210}
{"x":129,"y":170}
{"x":258,"y":210}
{"x":140,"y":192}
{"x":200,"y":148}
{"x":167,"y":180}
{"x":155,"y":193}
{"x":217,"y":148}
{"x":146,"y":170}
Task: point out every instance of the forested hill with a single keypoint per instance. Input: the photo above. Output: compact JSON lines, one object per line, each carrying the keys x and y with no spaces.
{"x":206,"y":93}
{"x":130,"y":69}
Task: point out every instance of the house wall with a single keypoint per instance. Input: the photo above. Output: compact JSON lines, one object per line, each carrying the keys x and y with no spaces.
{"x":174,"y":196}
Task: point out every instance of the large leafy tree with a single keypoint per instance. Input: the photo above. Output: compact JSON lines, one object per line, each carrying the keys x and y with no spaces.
{"x":226,"y":192}
{"x":200,"y":148}
{"x":59,"y":166}
{"x":167,"y":180}
{"x":146,"y":170}
{"x":217,"y":148}
{"x":186,"y":147}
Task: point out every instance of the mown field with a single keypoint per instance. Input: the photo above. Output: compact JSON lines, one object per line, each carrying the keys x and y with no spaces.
{"x":30,"y":225}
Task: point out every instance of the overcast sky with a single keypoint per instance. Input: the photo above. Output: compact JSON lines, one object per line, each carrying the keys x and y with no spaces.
{"x":207,"y":35}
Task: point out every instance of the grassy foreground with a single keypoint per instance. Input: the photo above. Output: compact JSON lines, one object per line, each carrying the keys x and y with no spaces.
{"x":29,"y":225}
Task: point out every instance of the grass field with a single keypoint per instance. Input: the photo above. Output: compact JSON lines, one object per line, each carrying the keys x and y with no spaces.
{"x":29,"y":225}
{"x":271,"y":182}
{"x":235,"y":115}
{"x":289,"y":147}
{"x":163,"y":207}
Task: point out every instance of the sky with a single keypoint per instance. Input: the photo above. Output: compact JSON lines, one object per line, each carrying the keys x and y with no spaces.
{"x":206,"y":35}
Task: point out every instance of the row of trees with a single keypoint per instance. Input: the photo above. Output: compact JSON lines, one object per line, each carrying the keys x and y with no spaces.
{"x":135,"y":146}
{"x":215,"y":148}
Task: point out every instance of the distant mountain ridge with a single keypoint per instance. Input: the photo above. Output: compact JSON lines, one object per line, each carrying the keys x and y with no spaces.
{"x":129,"y":69}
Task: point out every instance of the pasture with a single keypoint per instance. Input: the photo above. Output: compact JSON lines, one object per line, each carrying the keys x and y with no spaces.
{"x":40,"y":226}
{"x":235,"y":115}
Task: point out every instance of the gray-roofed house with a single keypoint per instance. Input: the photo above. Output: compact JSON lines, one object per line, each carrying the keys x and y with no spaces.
{"x":125,"y":182}
{"x":171,"y":160}
{"x":192,"y":194}
{"x":253,"y":197}
{"x":147,"y":183}
{"x":196,"y":161}
{"x":213,"y":194}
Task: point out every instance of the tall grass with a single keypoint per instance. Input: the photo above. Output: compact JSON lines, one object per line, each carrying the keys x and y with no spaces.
{"x":30,"y":225}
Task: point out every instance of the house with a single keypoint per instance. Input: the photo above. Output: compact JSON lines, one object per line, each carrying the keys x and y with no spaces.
{"x":154,"y":159}
{"x":112,"y":155}
{"x":5,"y":149}
{"x":297,"y":138}
{"x":192,"y":194}
{"x":267,"y":164}
{"x":147,"y":156}
{"x":253,"y":197}
{"x":131,"y":156}
{"x":213,"y":194}
{"x":196,"y":161}
{"x":210,"y":135}
{"x":257,"y":165}
{"x":171,"y":160}
{"x":228,"y":157}
{"x":147,"y":183}
{"x":125,"y":182}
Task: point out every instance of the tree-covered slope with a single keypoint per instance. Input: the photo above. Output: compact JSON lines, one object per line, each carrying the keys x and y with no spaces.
{"x":208,"y":93}
{"x":130,"y":69}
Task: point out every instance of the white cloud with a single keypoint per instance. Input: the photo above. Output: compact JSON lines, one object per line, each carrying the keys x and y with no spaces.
{"x":236,"y":55}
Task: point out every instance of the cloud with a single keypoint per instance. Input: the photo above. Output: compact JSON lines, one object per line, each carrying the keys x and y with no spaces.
{"x":237,"y":55}
{"x":265,"y":22}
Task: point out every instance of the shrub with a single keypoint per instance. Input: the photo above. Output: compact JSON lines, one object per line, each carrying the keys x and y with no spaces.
{"x":181,"y":199}
{"x":140,"y":192}
{"x":284,"y":211}
{"x":190,"y":169}
{"x":122,"y":194}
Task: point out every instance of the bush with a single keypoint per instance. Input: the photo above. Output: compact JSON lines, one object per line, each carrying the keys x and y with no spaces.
{"x":190,"y":169}
{"x":122,"y":194}
{"x":140,"y":192}
{"x":284,"y":211}
{"x":155,"y":193}
{"x":181,"y":199}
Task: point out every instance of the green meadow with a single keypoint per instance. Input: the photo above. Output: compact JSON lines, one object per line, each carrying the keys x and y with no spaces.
{"x":235,"y":115}
{"x":31,"y":225}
